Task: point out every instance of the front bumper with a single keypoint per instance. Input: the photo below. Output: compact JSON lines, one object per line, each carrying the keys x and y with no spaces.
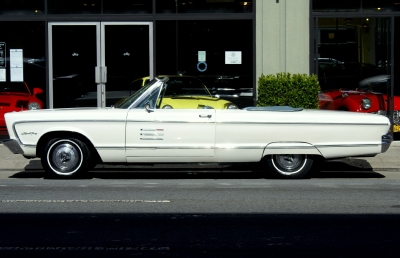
{"x":13,"y":146}
{"x":386,"y":141}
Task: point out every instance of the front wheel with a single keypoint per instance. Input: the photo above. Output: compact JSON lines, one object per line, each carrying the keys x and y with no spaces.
{"x":292,"y":166}
{"x":65,"y":158}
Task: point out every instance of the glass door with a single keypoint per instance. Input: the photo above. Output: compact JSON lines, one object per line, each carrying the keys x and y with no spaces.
{"x":92,"y":64}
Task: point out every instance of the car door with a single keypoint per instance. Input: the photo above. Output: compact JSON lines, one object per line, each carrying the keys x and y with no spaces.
{"x":170,"y":133}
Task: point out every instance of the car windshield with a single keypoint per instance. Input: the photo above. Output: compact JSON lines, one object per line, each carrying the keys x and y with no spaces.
{"x":185,"y":86}
{"x":379,"y":84}
{"x":142,"y":97}
{"x":13,"y":87}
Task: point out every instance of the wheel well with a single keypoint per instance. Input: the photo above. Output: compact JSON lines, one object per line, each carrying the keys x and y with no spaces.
{"x":65,"y":134}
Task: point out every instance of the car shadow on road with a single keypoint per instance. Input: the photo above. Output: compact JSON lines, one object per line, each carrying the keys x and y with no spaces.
{"x":324,"y":169}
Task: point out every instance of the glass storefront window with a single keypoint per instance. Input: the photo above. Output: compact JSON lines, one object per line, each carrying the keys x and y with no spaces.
{"x":381,"y":6}
{"x":22,"y":67}
{"x":204,"y":6}
{"x":350,"y":50}
{"x":21,"y":7}
{"x":127,"y":6}
{"x":74,"y":7}
{"x":336,"y":6}
{"x":212,"y":52}
{"x":356,"y":6}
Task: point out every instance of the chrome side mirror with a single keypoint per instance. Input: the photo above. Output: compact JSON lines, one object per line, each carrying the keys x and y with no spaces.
{"x":147,"y":107}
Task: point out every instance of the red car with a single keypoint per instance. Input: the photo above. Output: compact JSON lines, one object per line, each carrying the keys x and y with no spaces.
{"x":368,"y":97}
{"x":16,"y":96}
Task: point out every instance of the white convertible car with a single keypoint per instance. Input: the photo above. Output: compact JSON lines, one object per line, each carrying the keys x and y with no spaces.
{"x":285,"y":140}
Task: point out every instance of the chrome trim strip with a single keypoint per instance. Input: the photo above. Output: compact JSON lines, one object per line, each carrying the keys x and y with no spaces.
{"x":151,"y":139}
{"x":170,"y":148}
{"x":109,"y":148}
{"x":171,"y":122}
{"x":290,"y":147}
{"x":347,"y":145}
{"x":298,"y":123}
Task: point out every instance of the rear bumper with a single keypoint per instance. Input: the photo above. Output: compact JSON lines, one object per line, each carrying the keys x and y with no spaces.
{"x":387,"y":139}
{"x":13,"y":146}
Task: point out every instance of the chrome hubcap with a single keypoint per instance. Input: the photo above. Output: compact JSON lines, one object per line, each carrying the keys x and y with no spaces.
{"x":65,"y":157}
{"x":289,"y":162}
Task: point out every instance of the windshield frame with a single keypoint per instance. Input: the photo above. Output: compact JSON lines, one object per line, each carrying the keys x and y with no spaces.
{"x":140,"y":98}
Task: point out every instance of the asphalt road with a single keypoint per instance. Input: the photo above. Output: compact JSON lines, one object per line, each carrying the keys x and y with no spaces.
{"x":187,"y":214}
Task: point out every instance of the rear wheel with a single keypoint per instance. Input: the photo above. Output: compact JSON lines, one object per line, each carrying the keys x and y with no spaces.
{"x":293,"y":166}
{"x":65,"y":158}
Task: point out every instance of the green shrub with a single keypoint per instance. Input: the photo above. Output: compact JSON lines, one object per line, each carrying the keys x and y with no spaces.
{"x":284,"y":89}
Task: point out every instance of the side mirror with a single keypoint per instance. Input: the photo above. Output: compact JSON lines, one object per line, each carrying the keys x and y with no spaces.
{"x":37,"y":91}
{"x":147,"y":107}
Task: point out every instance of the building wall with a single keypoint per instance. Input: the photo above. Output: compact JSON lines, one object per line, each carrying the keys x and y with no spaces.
{"x":282,"y":36}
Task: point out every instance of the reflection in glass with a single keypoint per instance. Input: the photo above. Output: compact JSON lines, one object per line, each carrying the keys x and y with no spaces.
{"x":351,"y":49}
{"x":178,"y":46}
{"x":355,"y":6}
{"x":74,"y":62}
{"x":21,"y":7}
{"x":74,"y":7}
{"x":204,"y":6}
{"x":127,"y":6}
{"x":127,"y":58}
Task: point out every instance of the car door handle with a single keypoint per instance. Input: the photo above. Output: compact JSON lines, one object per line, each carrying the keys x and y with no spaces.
{"x":205,"y":116}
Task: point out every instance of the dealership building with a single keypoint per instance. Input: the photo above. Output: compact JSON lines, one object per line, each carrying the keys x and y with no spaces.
{"x":79,"y":52}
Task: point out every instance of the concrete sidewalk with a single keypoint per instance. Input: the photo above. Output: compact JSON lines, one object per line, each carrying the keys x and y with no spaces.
{"x":389,"y":161}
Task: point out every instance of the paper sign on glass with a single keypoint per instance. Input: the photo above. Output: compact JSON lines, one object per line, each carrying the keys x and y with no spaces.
{"x":233,"y":57}
{"x":2,"y":75}
{"x":202,"y":56}
{"x":16,"y":65}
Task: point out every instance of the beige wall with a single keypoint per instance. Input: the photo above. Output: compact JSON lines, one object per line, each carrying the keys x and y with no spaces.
{"x":282,"y":36}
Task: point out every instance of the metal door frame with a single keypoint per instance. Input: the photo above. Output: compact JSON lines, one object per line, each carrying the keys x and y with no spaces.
{"x":101,"y":71}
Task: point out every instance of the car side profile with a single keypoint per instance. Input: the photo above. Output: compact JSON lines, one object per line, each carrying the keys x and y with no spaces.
{"x":72,"y":141}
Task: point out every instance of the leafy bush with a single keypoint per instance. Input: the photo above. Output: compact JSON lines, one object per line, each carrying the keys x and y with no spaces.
{"x":284,"y":89}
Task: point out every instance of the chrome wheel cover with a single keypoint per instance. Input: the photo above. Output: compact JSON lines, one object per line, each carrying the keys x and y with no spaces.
{"x":289,"y":163}
{"x":64,"y":157}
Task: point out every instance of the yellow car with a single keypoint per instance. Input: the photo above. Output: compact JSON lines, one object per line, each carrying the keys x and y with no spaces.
{"x":185,"y":92}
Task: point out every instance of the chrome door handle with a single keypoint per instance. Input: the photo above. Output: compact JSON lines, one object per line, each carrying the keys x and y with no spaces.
{"x":205,"y":116}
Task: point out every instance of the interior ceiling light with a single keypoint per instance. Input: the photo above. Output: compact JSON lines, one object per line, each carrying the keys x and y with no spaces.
{"x":245,"y":3}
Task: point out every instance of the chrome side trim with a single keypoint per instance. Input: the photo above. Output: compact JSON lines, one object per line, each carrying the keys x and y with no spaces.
{"x":347,"y":145}
{"x":291,"y":147}
{"x":109,"y":148}
{"x":169,"y":147}
{"x":298,"y":123}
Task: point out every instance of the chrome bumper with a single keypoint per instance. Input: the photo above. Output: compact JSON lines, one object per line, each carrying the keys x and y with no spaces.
{"x":386,"y":141}
{"x":13,"y":146}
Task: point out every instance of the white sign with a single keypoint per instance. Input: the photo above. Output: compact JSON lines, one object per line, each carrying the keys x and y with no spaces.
{"x":233,"y":57}
{"x":2,"y":75}
{"x":16,"y":65}
{"x":201,"y":56}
